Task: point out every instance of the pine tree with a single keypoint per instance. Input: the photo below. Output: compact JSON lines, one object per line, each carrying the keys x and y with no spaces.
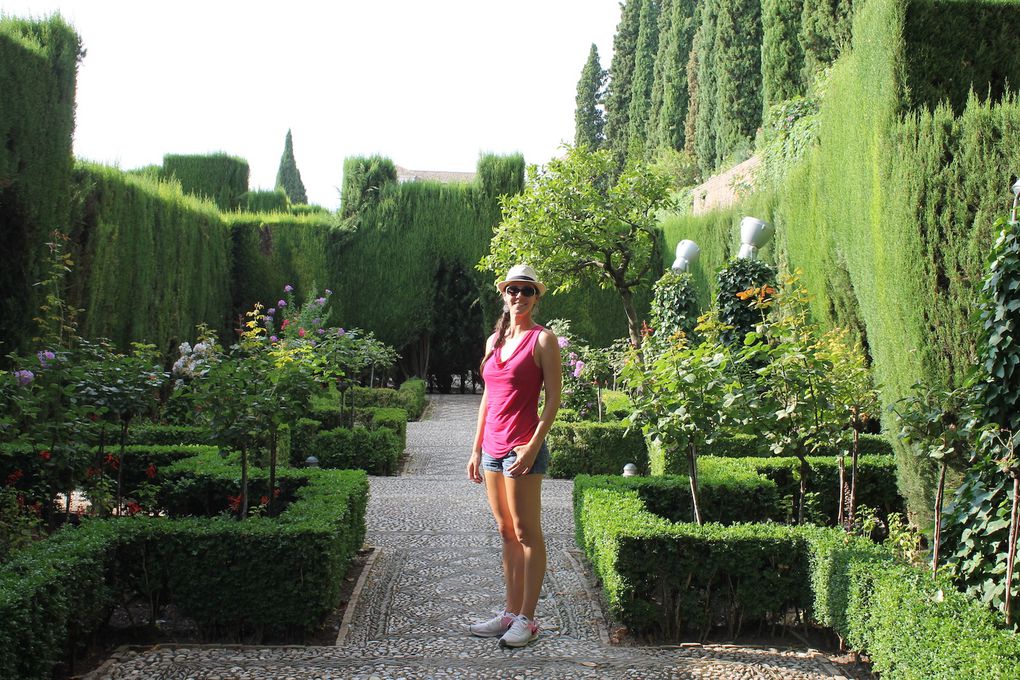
{"x":644,"y":72}
{"x":782,"y":57}
{"x":288,"y":177}
{"x":621,"y":74}
{"x":704,"y":122}
{"x":589,"y":118}
{"x":670,"y":93}
{"x":738,"y":77}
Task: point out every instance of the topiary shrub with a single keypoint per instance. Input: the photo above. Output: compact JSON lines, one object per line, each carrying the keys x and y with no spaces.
{"x":594,"y":448}
{"x":740,"y":275}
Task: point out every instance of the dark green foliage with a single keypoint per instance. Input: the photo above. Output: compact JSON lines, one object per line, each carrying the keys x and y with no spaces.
{"x":452,"y":351}
{"x":270,"y":251}
{"x":736,"y":277}
{"x":377,"y":452}
{"x":219,"y":177}
{"x":594,"y":449}
{"x":644,"y":74}
{"x":999,"y":388}
{"x":153,"y":263}
{"x":704,"y":124}
{"x":365,"y":180}
{"x":825,"y":27}
{"x":621,"y":77}
{"x":746,"y":445}
{"x":38,"y":63}
{"x":738,"y":97}
{"x":410,"y":396}
{"x":392,"y":419}
{"x":675,"y":305}
{"x":288,"y":177}
{"x":589,"y":117}
{"x":782,"y":57}
{"x":265,"y":201}
{"x":670,"y":95}
{"x":876,"y":484}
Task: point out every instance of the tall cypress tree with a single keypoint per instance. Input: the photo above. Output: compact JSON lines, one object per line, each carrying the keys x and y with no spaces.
{"x":670,"y":94}
{"x":782,"y":57}
{"x":704,"y":123}
{"x":825,"y":27}
{"x":288,"y":177}
{"x":644,"y":72}
{"x":589,"y":118}
{"x":621,"y":74}
{"x":738,"y":76}
{"x":691,"y":120}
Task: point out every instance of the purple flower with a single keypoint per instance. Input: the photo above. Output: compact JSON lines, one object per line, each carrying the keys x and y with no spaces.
{"x":273,"y":338}
{"x":271,"y":311}
{"x":321,"y":331}
{"x":45,"y":356}
{"x":316,"y":322}
{"x":340,"y":331}
{"x":321,"y":300}
{"x":288,"y":288}
{"x":578,"y":367}
{"x":281,"y":303}
{"x":313,"y":343}
{"x":329,"y":292}
{"x":24,"y":376}
{"x":562,"y":342}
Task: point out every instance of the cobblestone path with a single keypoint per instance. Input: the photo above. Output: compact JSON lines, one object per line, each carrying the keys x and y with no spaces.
{"x":435,"y":568}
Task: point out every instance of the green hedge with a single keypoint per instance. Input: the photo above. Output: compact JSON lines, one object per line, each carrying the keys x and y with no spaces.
{"x":746,"y":445}
{"x":392,"y":419}
{"x":38,"y":63}
{"x":410,"y":396}
{"x":594,"y":448}
{"x":55,"y":594}
{"x":218,"y":177}
{"x":876,"y":483}
{"x":377,"y":452}
{"x":147,"y":246}
{"x":662,"y":579}
{"x":265,"y":201}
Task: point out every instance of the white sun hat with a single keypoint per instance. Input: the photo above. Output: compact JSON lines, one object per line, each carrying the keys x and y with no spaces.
{"x":521,"y":273}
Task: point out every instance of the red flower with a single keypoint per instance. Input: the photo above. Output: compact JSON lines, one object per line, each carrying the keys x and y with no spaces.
{"x":276,"y":493}
{"x":112,"y":461}
{"x":646,"y":330}
{"x":45,"y":455}
{"x":93,"y":417}
{"x":133,"y":508}
{"x":284,"y":324}
{"x":150,"y":471}
{"x":13,"y":478}
{"x":264,"y":500}
{"x":234,"y":501}
{"x":90,"y":473}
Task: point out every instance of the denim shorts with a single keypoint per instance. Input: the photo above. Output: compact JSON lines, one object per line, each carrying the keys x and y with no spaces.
{"x":539,"y":467}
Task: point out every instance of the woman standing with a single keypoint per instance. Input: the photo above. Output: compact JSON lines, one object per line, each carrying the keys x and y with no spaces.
{"x":521,"y":358}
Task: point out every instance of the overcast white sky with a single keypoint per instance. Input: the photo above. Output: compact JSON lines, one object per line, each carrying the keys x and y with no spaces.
{"x":429,"y":83}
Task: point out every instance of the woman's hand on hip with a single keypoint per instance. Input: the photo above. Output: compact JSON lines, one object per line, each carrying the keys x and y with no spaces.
{"x":525,"y":459}
{"x":474,"y":468}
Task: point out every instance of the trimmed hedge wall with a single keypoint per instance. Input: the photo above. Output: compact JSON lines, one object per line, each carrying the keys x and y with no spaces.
{"x":585,"y":447}
{"x":661,"y":579}
{"x":153,"y":262}
{"x":377,"y":452}
{"x":218,"y":177}
{"x":38,"y":64}
{"x":56,"y":593}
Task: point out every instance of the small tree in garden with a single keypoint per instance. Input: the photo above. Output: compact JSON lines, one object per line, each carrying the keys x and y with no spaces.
{"x":120,"y":387}
{"x":940,"y":426}
{"x":856,"y":400}
{"x":681,"y":398}
{"x":343,"y":355}
{"x":674,"y":309}
{"x":792,"y":377}
{"x":575,"y":223}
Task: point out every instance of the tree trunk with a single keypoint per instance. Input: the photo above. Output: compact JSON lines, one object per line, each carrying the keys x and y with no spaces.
{"x":243,"y":508}
{"x":840,"y":514}
{"x":1011,"y":553}
{"x":853,"y":478}
{"x":692,"y":464}
{"x":272,"y":470}
{"x":633,"y":323}
{"x":938,"y":520}
{"x":120,"y":466}
{"x":804,"y":471}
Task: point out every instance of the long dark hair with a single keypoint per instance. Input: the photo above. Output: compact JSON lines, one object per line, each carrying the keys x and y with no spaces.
{"x":502,"y":325}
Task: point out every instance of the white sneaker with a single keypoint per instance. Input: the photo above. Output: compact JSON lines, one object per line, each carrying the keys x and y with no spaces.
{"x":494,"y":627}
{"x":522,"y":631}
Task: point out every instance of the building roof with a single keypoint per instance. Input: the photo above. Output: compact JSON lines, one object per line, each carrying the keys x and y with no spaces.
{"x":445,"y":176}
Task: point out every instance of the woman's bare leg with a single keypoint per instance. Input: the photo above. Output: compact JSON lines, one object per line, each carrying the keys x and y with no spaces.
{"x":513,"y":551}
{"x":524,"y":498}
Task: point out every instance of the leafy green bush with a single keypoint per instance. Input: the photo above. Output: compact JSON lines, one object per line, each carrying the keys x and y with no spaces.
{"x":412,"y":396}
{"x":594,"y":449}
{"x":377,"y":452}
{"x":876,"y":484}
{"x":393,"y":419}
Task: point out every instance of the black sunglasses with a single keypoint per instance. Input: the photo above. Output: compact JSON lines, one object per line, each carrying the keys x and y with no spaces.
{"x":526,"y":291}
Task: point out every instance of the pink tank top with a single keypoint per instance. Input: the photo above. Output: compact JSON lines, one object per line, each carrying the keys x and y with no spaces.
{"x":512,"y":388}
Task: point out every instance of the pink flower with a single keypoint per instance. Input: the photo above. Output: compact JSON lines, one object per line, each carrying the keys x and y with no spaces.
{"x":301,"y":332}
{"x":578,"y":367}
{"x":288,"y":288}
{"x":562,"y":342}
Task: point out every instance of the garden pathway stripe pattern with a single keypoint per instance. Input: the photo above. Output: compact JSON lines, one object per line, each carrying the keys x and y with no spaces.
{"x":435,"y":568}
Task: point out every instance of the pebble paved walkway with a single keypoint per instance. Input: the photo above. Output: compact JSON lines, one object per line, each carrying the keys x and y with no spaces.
{"x":435,"y":568}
